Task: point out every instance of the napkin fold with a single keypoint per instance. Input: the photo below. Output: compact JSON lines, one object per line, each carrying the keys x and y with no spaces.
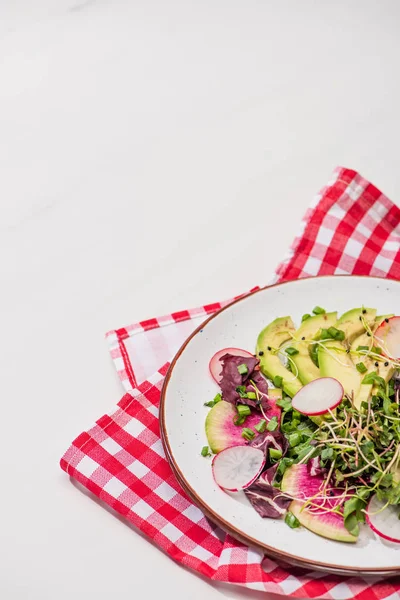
{"x":350,"y":228}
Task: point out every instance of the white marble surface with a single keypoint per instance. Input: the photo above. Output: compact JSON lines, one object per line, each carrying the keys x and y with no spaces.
{"x":153,"y":156}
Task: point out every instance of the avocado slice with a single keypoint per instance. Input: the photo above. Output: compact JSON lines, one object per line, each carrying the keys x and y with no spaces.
{"x":378,"y":320}
{"x":307,"y":370}
{"x":334,"y":361}
{"x":352,"y":322}
{"x":274,"y":393}
{"x":386,"y":372}
{"x":270,"y":339}
{"x":366,"y":389}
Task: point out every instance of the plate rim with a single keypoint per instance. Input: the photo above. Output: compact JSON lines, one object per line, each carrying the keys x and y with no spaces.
{"x":270,"y":551}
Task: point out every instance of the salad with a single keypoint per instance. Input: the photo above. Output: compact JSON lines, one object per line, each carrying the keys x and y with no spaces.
{"x":309,"y":426}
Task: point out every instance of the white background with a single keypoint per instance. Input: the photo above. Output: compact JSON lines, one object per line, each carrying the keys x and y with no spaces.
{"x":154,"y":155}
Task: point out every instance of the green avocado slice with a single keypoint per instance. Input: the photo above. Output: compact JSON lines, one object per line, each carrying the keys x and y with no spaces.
{"x":307,"y":370}
{"x":384,"y":371}
{"x":381,"y":318}
{"x":274,"y":393}
{"x":269,"y":341}
{"x":352,"y":322}
{"x":335,"y":362}
{"x":333,"y":359}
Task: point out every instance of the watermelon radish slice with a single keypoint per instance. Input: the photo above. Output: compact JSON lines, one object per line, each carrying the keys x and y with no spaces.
{"x":236,"y":468}
{"x":384,"y":521}
{"x":387,"y":337}
{"x":215,"y":364}
{"x":223,"y":433}
{"x":318,"y":396}
{"x":298,"y":483}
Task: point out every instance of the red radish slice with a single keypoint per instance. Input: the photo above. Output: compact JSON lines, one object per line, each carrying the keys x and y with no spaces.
{"x":384,"y":521}
{"x":236,"y":468}
{"x":318,"y":396}
{"x":215,"y":365}
{"x":387,"y":337}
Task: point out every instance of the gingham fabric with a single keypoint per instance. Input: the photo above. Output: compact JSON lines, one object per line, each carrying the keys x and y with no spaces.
{"x":139,"y":349}
{"x":351,"y":228}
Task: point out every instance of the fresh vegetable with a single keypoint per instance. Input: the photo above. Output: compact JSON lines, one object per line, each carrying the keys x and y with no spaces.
{"x":266,"y":499}
{"x":243,"y":410}
{"x":307,"y":370}
{"x":291,"y":520}
{"x":236,"y":385}
{"x":315,"y":503}
{"x":335,"y":362}
{"x":355,"y":322}
{"x":319,"y":396}
{"x":371,"y":360}
{"x":215,"y":364}
{"x":384,"y":519}
{"x":220,"y":428}
{"x":269,"y":343}
{"x":211,"y":403}
{"x":273,"y":424}
{"x":270,"y":439}
{"x":274,"y":455}
{"x":243,"y":369}
{"x":387,"y":337}
{"x":247,"y":434}
{"x":261,"y":426}
{"x":236,"y":468}
{"x":291,"y":351}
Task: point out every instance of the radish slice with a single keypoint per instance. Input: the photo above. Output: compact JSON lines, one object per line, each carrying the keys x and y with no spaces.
{"x":215,"y":365}
{"x":318,"y":396}
{"x":236,"y":468}
{"x":384,"y":522}
{"x":387,"y":337}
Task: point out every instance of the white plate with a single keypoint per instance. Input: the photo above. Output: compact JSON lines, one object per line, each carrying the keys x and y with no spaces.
{"x":188,"y":385}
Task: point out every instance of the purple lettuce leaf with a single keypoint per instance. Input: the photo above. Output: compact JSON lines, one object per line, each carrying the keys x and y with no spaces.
{"x":270,"y":439}
{"x":268,"y":476}
{"x":267,"y":500}
{"x":231,"y":379}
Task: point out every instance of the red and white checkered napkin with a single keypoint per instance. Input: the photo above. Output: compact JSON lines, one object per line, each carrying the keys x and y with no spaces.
{"x":351,"y":228}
